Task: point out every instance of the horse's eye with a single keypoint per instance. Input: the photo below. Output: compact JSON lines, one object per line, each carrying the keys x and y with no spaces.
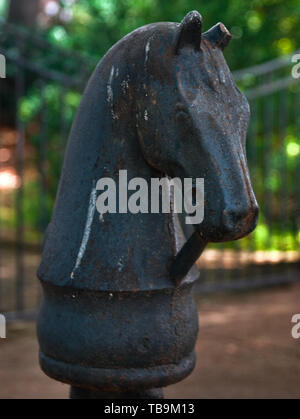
{"x":181,"y":112}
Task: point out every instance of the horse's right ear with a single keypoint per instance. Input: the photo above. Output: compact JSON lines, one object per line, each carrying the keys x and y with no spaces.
{"x":190,"y":32}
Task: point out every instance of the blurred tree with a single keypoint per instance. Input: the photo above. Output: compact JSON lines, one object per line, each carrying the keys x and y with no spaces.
{"x":262,"y":29}
{"x":24,"y":12}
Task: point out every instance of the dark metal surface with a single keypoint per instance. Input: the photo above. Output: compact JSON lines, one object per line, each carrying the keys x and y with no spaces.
{"x":161,"y":102}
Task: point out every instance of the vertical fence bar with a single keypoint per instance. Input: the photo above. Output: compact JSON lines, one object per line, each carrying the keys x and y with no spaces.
{"x":267,"y":155}
{"x":251,"y":154}
{"x":63,"y":122}
{"x":282,"y":130}
{"x":20,"y":155}
{"x":252,"y":163}
{"x":297,"y":170}
{"x":42,"y":157}
{"x":1,"y":244}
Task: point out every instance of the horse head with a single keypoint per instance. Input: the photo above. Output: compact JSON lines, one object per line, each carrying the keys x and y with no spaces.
{"x":193,"y":120}
{"x":161,"y":102}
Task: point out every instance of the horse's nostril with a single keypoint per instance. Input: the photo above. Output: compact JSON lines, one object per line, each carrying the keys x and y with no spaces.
{"x":234,"y":218}
{"x":231,"y":217}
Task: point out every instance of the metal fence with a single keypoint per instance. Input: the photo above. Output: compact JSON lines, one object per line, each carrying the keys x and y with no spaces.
{"x":38,"y":100}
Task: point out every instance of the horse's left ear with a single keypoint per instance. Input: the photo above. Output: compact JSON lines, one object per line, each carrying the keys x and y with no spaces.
{"x":218,"y":35}
{"x":190,"y":32}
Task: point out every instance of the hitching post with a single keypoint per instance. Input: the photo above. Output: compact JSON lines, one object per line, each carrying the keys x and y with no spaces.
{"x":118,"y":318}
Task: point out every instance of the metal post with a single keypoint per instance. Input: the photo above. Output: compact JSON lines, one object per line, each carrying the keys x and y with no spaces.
{"x":118,"y":319}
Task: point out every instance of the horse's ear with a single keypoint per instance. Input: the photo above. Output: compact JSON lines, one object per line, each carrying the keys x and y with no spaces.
{"x":190,"y":32}
{"x":218,"y":35}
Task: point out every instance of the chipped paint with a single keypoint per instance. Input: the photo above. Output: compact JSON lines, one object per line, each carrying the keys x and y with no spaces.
{"x":87,"y":230}
{"x":110,"y":93}
{"x":222,"y":76}
{"x":120,"y":265}
{"x":125,"y":85}
{"x":147,"y":50}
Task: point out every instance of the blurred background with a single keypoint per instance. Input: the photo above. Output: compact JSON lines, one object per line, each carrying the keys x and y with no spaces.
{"x":248,"y":290}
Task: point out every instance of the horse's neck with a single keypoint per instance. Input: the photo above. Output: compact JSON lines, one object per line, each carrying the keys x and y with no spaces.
{"x":117,"y":251}
{"x":124,"y":154}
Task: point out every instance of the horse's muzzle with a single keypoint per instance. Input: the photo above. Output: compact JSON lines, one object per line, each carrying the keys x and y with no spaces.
{"x":232,"y":224}
{"x":239,"y":223}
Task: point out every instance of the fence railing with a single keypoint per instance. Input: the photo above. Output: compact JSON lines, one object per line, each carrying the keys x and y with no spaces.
{"x":38,"y":100}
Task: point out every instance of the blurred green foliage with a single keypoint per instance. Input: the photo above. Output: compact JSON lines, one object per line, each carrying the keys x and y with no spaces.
{"x":262,"y":30}
{"x":3,"y":7}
